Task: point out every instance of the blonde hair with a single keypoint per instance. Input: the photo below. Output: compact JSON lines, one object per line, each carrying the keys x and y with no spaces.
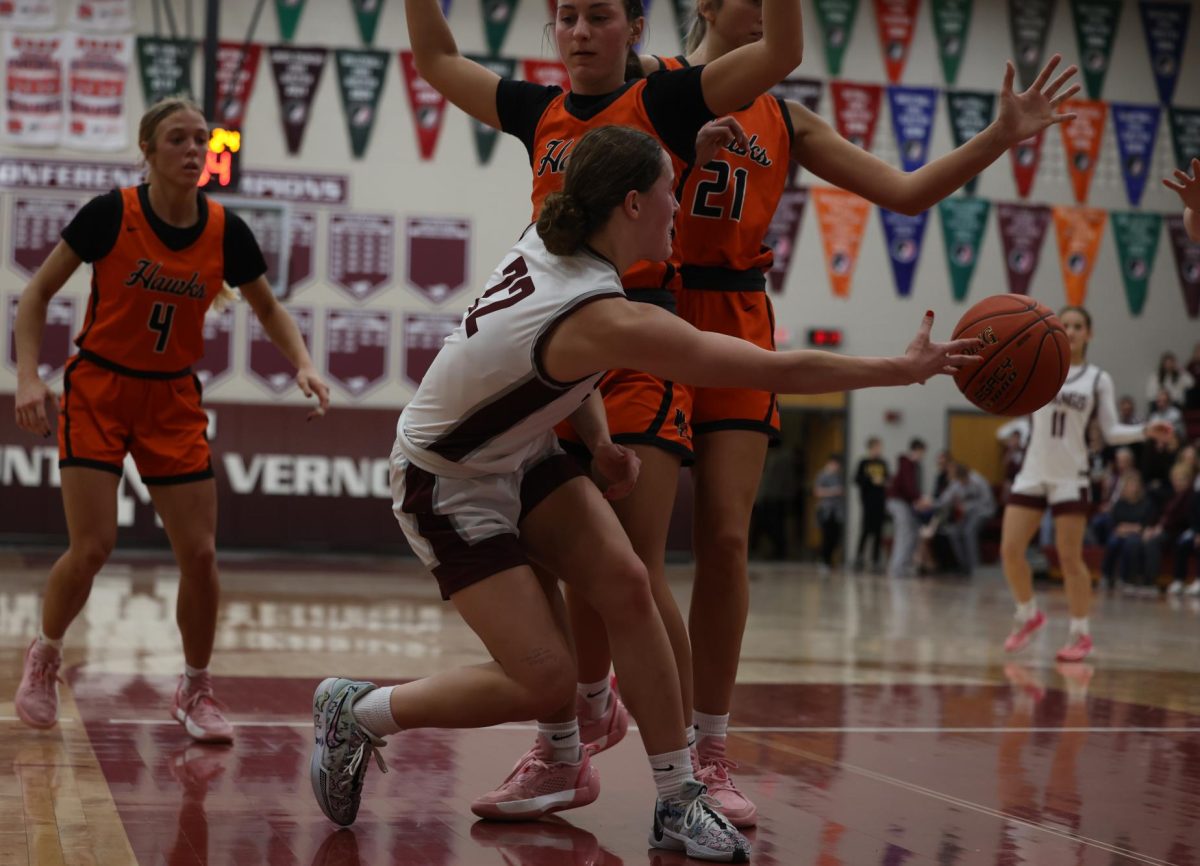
{"x":697,"y":27}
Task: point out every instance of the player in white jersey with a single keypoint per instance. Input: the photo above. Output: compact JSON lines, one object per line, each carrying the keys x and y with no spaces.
{"x":482,"y":490}
{"x":1054,"y":474}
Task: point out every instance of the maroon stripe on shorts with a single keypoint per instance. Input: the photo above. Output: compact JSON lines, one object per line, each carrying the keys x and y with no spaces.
{"x":1027,"y":501}
{"x":460,"y":563}
{"x":546,"y":477}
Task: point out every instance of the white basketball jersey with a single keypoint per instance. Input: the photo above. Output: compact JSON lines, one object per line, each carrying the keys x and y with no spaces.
{"x":486,"y":404}
{"x":1058,"y":448}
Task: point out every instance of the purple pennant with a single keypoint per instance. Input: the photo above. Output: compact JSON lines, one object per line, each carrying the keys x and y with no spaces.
{"x":912,"y":119}
{"x":1166,"y":33}
{"x":904,"y":235}
{"x":1022,"y":229}
{"x":1137,"y":129}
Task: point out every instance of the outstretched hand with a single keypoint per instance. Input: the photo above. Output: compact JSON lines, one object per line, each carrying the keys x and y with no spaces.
{"x":1023,"y":115}
{"x":616,"y":468}
{"x":1188,"y":186}
{"x":717,"y":134}
{"x":929,"y":359}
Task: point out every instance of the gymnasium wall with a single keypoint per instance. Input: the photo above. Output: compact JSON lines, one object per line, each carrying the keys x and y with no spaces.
{"x":376,"y":332}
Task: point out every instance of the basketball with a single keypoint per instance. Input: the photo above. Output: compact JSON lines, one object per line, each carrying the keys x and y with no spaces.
{"x":1025,"y":352}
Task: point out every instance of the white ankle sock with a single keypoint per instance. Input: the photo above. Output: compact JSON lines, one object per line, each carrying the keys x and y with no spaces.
{"x":45,"y":641}
{"x":563,"y":740}
{"x":191,"y":673}
{"x":373,"y":711}
{"x":670,"y":771}
{"x":711,"y":726}
{"x":1027,"y":610}
{"x":690,"y":733}
{"x":1079,"y":625}
{"x":596,"y":695}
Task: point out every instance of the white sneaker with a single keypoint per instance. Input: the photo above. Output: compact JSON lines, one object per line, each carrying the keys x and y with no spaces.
{"x":1175,"y":588}
{"x":1193,"y":588}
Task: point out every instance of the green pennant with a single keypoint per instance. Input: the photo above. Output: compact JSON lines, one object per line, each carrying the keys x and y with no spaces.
{"x":1137,"y":242}
{"x":485,"y":136}
{"x":367,"y":13}
{"x":497,"y":16}
{"x":1028,"y":23}
{"x":166,"y":67}
{"x":1185,"y":135}
{"x":360,"y":78}
{"x":836,"y":18}
{"x":963,"y":221}
{"x":951,"y":21}
{"x":288,"y":14}
{"x":1095,"y":26}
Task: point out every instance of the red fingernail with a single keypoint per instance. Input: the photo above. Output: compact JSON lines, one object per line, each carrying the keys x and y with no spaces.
{"x":929,"y":312}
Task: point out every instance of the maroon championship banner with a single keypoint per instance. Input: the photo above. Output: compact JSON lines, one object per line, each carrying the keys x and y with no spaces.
{"x":438,"y":254}
{"x":781,"y":235}
{"x":1022,"y":229}
{"x":33,"y":88}
{"x":302,"y":240}
{"x":57,"y":343}
{"x":362,"y":253}
{"x":358,"y":345}
{"x":101,"y":15}
{"x":282,"y":482}
{"x":297,"y":73}
{"x":27,"y":14}
{"x":268,"y":226}
{"x":36,"y":226}
{"x":855,"y":110}
{"x":1187,"y":264}
{"x":266,"y":363}
{"x":422,"y":339}
{"x":301,"y":187}
{"x":98,"y":75}
{"x":217,"y":361}
{"x":237,"y":65}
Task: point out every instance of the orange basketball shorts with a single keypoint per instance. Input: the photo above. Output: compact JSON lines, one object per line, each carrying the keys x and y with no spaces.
{"x":642,"y":410}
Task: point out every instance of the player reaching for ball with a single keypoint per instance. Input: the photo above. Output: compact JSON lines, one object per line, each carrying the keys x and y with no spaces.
{"x":1054,"y":473}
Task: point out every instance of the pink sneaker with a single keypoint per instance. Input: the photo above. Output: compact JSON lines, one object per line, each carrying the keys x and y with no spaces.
{"x":538,"y":786}
{"x":714,"y":774}
{"x":37,"y":696}
{"x":1077,"y":649}
{"x":199,"y":712}
{"x":1023,"y":633}
{"x":607,"y":730}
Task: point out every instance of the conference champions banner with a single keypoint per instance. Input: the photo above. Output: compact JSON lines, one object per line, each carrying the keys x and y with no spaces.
{"x":904,"y":235}
{"x":836,"y":19}
{"x":963,"y":222}
{"x":166,"y":67}
{"x":1028,"y":23}
{"x":1136,"y":128}
{"x":971,"y":112}
{"x":98,"y":74}
{"x":951,"y":22}
{"x":895,"y":20}
{"x":1079,"y":230}
{"x":361,"y":75}
{"x":1022,"y":230}
{"x":1187,"y":264}
{"x":1166,"y":26}
{"x":428,"y":106}
{"x":842,"y":216}
{"x":34,"y":84}
{"x":1095,"y":26}
{"x":1137,"y":243}
{"x":1081,"y":141}
{"x":912,"y":110}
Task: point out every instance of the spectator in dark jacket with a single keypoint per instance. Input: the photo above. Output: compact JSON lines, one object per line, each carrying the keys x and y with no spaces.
{"x":903,"y":500}
{"x":1187,"y":547}
{"x":1131,"y":514}
{"x":871,"y":478}
{"x":1172,"y":523}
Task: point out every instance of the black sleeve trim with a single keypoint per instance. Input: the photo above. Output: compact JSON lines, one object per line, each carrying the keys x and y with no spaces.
{"x":244,"y":261}
{"x":520,"y":106}
{"x":787,"y":121}
{"x":674,"y":101}
{"x":92,"y":232}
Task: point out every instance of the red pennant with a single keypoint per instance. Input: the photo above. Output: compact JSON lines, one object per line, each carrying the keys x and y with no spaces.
{"x":895,"y":20}
{"x":553,"y":4}
{"x":550,"y":73}
{"x":428,"y":106}
{"x":855,"y":110}
{"x":1081,"y":141}
{"x":1025,"y":158}
{"x":237,"y":64}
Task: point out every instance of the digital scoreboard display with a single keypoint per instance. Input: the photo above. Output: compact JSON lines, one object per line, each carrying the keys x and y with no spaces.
{"x":222,"y":163}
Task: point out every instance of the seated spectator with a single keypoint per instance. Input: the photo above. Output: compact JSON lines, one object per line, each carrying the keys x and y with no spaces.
{"x":1172,"y":523}
{"x":830,"y":492}
{"x":1191,"y":400}
{"x":1170,"y":378}
{"x":1131,"y":514}
{"x":968,"y":502}
{"x":1110,"y":491}
{"x":1165,"y":410}
{"x":1158,"y":456}
{"x":1187,"y":547}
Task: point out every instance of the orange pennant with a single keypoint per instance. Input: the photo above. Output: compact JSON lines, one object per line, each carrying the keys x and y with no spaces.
{"x":1081,"y":141}
{"x":1079,"y":230}
{"x":842,"y":216}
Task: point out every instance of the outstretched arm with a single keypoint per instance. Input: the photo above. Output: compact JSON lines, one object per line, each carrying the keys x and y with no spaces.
{"x":279,"y":325}
{"x":819,"y":148}
{"x":464,"y":82}
{"x":737,"y":78}
{"x":612,"y":334}
{"x":1188,"y":187}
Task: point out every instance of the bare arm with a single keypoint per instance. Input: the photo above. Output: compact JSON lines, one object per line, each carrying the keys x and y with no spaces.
{"x":281,"y":328}
{"x":1188,"y":188}
{"x":616,"y":333}
{"x":820,"y":149}
{"x":591,"y":422}
{"x":32,"y":393}
{"x":615,"y":468}
{"x":464,"y":82}
{"x":737,"y":78}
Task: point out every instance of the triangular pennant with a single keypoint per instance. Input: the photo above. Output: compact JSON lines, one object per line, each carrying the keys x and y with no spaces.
{"x":485,"y":135}
{"x":1081,"y":141}
{"x":288,"y":14}
{"x":912,"y":111}
{"x":963,"y":222}
{"x":1025,"y":158}
{"x":842,"y":216}
{"x":166,"y":67}
{"x":970,"y":113}
{"x":1022,"y":228}
{"x":1136,"y":128}
{"x":683,"y":13}
{"x":807,"y":92}
{"x":895,"y":20}
{"x":1185,"y":135}
{"x":904,"y":235}
{"x":497,"y":18}
{"x":237,"y":66}
{"x":1095,"y":25}
{"x":1187,"y":264}
{"x":836,"y":19}
{"x":782,"y":233}
{"x":1028,"y":24}
{"x":297,"y":73}
{"x":549,"y":73}
{"x":360,"y":78}
{"x":552,"y":7}
{"x":1137,"y":244}
{"x":855,"y":110}
{"x":366,"y":13}
{"x":1079,"y":230}
{"x":951,"y":22}
{"x":1166,"y":27}
{"x":427,"y":104}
